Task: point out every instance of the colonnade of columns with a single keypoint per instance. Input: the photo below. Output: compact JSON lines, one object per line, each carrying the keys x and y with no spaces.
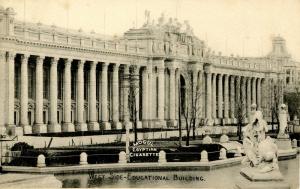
{"x":222,"y":93}
{"x":225,"y":92}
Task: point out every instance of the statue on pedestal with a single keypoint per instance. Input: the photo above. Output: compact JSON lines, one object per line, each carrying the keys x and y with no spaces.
{"x":261,"y":152}
{"x":283,"y":118}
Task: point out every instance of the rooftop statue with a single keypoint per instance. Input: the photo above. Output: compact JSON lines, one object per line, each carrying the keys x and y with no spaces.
{"x":261,"y":152}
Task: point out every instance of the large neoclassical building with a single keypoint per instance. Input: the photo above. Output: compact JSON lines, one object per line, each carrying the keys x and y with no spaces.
{"x":59,"y":80}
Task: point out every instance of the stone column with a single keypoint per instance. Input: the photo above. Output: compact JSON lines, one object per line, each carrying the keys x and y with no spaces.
{"x":208,"y":98}
{"x":126,"y":94}
{"x":243,"y":97}
{"x":81,"y":125}
{"x":136,"y":73}
{"x":150,"y":97}
{"x":220,"y":97}
{"x":201,"y":94}
{"x":11,"y":93}
{"x":248,"y":98}
{"x":115,"y":98}
{"x":53,"y":127}
{"x":67,"y":124}
{"x":237,"y":93}
{"x":172,"y":122}
{"x":195,"y":97}
{"x":226,"y":99}
{"x":93,"y":124}
{"x":258,"y":100}
{"x":254,"y":91}
{"x":3,"y":102}
{"x":24,"y":96}
{"x":161,"y":94}
{"x":145,"y":97}
{"x":214,"y":96}
{"x":39,"y":126}
{"x":104,"y":106}
{"x":232,"y":99}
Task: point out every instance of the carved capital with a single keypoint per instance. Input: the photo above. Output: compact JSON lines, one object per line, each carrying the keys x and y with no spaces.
{"x":93,"y":64}
{"x":104,"y":66}
{"x":67,"y":62}
{"x":54,"y":60}
{"x":40,"y":59}
{"x":24,"y":59}
{"x":81,"y":64}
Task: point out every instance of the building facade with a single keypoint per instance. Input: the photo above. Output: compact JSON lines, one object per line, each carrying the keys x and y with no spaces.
{"x":59,"y":80}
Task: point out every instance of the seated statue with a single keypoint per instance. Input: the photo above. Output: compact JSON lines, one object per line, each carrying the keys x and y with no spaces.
{"x":260,"y":151}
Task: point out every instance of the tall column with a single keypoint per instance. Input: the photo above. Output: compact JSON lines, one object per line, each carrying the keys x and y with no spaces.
{"x":254,"y":91}
{"x":226,"y":98}
{"x":208,"y":98}
{"x":248,"y":98}
{"x":11,"y":89}
{"x":145,"y":97}
{"x":104,"y":106}
{"x":161,"y":94}
{"x":258,"y":93}
{"x":53,"y":127}
{"x":201,"y":94}
{"x":115,"y":98}
{"x":39,"y":126}
{"x":67,"y":124}
{"x":232,"y":98}
{"x":3,"y":93}
{"x":126,"y":94}
{"x":24,"y":96}
{"x":243,"y":97}
{"x":173,"y":121}
{"x":214,"y":96}
{"x":220,"y":96}
{"x":150,"y":96}
{"x":195,"y":94}
{"x":81,"y":125}
{"x":136,"y":73}
{"x":93,"y":124}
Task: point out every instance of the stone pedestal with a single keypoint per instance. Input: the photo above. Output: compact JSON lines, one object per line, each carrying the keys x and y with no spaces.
{"x":41,"y":161}
{"x":251,"y":178}
{"x":172,"y":123}
{"x":145,"y":124}
{"x":27,"y":129}
{"x":105,"y":126}
{"x":162,"y":157}
{"x":285,"y":150}
{"x":117,"y":125}
{"x":139,"y":125}
{"x":68,"y":127}
{"x":217,"y":121}
{"x":81,"y":127}
{"x":12,"y":130}
{"x":83,"y":159}
{"x":93,"y":126}
{"x":54,"y":128}
{"x":39,"y":128}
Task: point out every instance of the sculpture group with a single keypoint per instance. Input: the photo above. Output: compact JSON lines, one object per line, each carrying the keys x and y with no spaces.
{"x":261,"y":151}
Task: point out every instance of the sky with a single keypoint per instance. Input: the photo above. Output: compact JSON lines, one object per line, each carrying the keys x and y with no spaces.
{"x":239,"y":27}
